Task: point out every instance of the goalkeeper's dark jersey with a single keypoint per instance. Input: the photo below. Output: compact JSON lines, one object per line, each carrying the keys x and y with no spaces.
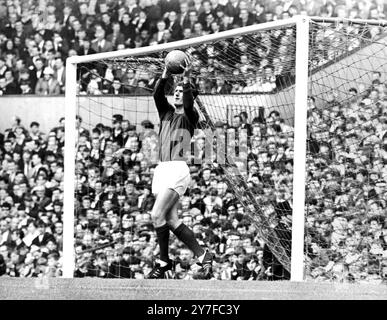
{"x":176,"y":129}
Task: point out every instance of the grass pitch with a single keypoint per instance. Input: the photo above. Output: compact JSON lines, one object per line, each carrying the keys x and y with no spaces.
{"x":128,"y":289}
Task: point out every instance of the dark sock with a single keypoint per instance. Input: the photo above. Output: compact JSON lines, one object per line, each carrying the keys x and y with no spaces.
{"x":163,"y":239}
{"x":186,"y":235}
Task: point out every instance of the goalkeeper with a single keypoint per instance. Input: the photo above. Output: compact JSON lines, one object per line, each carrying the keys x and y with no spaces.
{"x":171,"y":176}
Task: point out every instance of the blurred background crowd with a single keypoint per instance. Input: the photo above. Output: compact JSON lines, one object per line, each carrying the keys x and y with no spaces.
{"x":347,"y":178}
{"x":36,"y":37}
{"x":346,"y":227}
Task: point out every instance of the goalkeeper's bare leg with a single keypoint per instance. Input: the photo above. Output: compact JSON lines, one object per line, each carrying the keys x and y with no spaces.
{"x":165,"y":218}
{"x":185,"y":234}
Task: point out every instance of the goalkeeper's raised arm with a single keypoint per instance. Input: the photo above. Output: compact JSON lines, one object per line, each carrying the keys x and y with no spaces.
{"x":183,"y":105}
{"x":183,"y":97}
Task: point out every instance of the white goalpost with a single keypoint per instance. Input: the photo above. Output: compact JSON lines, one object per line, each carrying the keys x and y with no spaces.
{"x":300,"y":110}
{"x":291,"y":98}
{"x":69,"y":179}
{"x":301,"y":24}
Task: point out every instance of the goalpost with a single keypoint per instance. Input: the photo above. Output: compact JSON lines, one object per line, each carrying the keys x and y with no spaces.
{"x":290,"y":98}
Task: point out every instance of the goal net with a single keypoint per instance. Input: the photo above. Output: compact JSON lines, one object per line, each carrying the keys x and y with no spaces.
{"x":258,"y":180}
{"x":346,"y":180}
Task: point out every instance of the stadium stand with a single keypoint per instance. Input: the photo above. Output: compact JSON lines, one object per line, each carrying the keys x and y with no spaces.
{"x":34,"y":43}
{"x":114,"y":202}
{"x":40,"y":35}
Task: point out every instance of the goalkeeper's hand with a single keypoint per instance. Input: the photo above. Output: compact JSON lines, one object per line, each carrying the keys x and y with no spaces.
{"x":166,"y":73}
{"x":187,"y":70}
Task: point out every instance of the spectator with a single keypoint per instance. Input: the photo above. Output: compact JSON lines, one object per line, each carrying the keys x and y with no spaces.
{"x":47,"y":85}
{"x":128,"y":29}
{"x":183,"y":15}
{"x":114,"y":197}
{"x":25,"y":87}
{"x":116,"y":37}
{"x":35,"y":132}
{"x":60,"y":73}
{"x":132,"y":9}
{"x":106,"y":23}
{"x":36,"y":71}
{"x":44,"y":237}
{"x":157,"y":37}
{"x":167,"y":6}
{"x":221,"y":87}
{"x":174,"y":27}
{"x":117,"y":87}
{"x":85,"y":48}
{"x":64,"y":31}
{"x":100,"y":44}
{"x":9,"y":86}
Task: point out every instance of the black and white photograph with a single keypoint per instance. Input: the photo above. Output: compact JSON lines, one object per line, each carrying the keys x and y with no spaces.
{"x":193,"y":157}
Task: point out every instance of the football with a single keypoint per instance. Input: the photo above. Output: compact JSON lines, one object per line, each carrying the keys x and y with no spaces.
{"x":174,"y":60}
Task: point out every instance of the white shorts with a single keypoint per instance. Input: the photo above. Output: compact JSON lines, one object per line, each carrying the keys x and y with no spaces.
{"x":171,"y":175}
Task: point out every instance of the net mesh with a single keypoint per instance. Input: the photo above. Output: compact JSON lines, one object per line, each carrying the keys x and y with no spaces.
{"x":346,"y":190}
{"x":246,"y":106}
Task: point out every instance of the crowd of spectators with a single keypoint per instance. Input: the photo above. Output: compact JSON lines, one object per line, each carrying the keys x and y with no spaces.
{"x":347,"y":184}
{"x":36,"y":37}
{"x":31,"y":188}
{"x":346,"y":228}
{"x":114,"y":235}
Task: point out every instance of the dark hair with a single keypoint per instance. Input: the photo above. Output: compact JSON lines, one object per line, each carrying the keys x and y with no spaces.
{"x":244,"y":114}
{"x":36,"y":154}
{"x":252,"y":257}
{"x":33,"y":222}
{"x":196,"y":191}
{"x":6,"y":205}
{"x":127,"y":152}
{"x":147,"y":124}
{"x":275,"y":112}
{"x":96,"y":130}
{"x":10,"y":135}
{"x":19,"y":233}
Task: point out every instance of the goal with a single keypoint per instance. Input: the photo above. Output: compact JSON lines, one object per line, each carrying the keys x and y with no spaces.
{"x":275,"y":101}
